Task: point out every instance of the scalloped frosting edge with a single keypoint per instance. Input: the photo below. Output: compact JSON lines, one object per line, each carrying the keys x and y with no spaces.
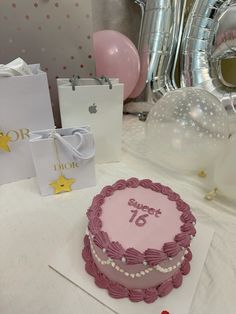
{"x":118,"y":291}
{"x":132,"y":256}
{"x":110,"y":262}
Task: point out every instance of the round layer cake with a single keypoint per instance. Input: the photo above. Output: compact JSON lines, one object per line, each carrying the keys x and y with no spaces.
{"x":138,"y":240}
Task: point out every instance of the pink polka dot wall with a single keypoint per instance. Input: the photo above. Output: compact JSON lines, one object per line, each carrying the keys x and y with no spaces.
{"x":56,"y":34}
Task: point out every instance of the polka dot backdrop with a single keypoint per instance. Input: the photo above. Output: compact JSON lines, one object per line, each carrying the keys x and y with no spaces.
{"x":56,"y":34}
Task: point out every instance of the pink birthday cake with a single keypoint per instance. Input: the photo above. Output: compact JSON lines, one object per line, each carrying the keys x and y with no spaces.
{"x":138,"y":239}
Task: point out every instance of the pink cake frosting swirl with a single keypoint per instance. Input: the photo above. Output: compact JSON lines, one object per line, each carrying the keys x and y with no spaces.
{"x":177,"y":279}
{"x":107,"y":191}
{"x":151,"y":295}
{"x":131,"y":255}
{"x":154,"y":257}
{"x":136,"y":295}
{"x":118,"y":291}
{"x":115,"y":250}
{"x":101,"y":281}
{"x":101,"y":239}
{"x":171,"y":248}
{"x":188,"y":228}
{"x":183,"y":239}
{"x":189,"y":255}
{"x":165,"y":288}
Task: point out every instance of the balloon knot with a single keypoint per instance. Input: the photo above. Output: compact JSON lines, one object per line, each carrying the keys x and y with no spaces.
{"x":211,"y":195}
{"x":202,"y":174}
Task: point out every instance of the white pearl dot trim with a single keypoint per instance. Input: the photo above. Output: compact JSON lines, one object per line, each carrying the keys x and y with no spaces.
{"x":144,"y":272}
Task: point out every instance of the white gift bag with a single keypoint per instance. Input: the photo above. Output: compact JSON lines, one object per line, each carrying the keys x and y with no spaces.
{"x":87,"y":102}
{"x":63,"y":159}
{"x":24,"y":106}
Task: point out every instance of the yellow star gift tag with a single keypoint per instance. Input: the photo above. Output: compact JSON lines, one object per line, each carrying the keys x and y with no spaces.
{"x":62,"y":185}
{"x":4,"y":142}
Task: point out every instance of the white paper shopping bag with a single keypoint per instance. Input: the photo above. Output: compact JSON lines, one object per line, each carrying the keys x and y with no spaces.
{"x":98,"y":104}
{"x":63,"y":159}
{"x":24,"y":106}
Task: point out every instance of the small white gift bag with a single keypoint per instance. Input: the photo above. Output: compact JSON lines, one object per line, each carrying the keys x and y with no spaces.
{"x":98,"y":103}
{"x":63,"y":159}
{"x":25,"y":106}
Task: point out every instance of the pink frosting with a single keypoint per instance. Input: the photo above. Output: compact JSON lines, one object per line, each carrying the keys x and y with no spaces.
{"x":154,"y":257}
{"x":166,"y":190}
{"x":173,"y":197}
{"x":157,"y":187}
{"x":86,"y":241}
{"x":185,"y":267}
{"x":151,"y":295}
{"x":165,"y":288}
{"x":182,"y":206}
{"x":188,"y":228}
{"x":102,"y":281}
{"x":133,"y":256}
{"x":101,"y":239}
{"x":86,"y":253}
{"x":95,"y":225}
{"x":171,"y":249}
{"x":117,"y":291}
{"x":132,"y":183}
{"x":187,"y":216}
{"x":91,"y":268}
{"x":136,"y":295}
{"x":94,"y":211}
{"x":107,"y":191}
{"x":119,"y":185}
{"x":133,"y":252}
{"x":115,"y":250}
{"x":177,"y":279}
{"x":98,"y":200}
{"x":145,"y":183}
{"x":183,"y":239}
{"x":189,"y":255}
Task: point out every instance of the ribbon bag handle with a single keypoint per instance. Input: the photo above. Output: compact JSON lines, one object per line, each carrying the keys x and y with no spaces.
{"x":101,"y":80}
{"x":75,"y":151}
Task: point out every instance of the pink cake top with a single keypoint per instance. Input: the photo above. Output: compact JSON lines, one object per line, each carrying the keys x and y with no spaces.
{"x":140,"y":221}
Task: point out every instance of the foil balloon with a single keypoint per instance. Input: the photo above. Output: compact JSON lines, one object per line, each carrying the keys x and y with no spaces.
{"x":186,"y":130}
{"x":160,"y":34}
{"x":225,"y":170}
{"x":209,"y":37}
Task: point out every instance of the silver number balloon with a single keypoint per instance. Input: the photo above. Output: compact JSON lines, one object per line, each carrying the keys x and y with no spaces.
{"x":162,"y":22}
{"x":206,"y":41}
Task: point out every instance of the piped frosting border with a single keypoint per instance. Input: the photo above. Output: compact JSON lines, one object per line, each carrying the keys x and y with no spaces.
{"x":118,"y":291}
{"x":131,"y":256}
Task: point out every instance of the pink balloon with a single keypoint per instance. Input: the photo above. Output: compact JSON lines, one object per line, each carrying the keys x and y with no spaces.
{"x":117,"y":57}
{"x":143,"y":75}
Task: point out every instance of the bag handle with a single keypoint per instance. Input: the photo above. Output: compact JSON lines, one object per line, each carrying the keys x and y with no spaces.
{"x":75,"y":151}
{"x":75,"y":81}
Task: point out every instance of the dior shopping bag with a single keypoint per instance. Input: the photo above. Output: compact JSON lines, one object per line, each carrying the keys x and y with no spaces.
{"x":98,"y":103}
{"x":63,"y":159}
{"x":25,"y":106}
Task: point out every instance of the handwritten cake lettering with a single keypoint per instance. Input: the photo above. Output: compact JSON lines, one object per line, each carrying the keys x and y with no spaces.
{"x":141,"y":220}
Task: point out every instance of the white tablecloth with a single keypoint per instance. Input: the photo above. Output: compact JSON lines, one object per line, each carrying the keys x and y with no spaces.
{"x":33,"y":228}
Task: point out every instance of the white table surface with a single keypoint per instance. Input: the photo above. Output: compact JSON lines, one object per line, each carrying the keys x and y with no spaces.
{"x":34,"y":228}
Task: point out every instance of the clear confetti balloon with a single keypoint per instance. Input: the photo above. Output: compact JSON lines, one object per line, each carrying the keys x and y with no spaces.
{"x":186,"y":130}
{"x":225,"y":170}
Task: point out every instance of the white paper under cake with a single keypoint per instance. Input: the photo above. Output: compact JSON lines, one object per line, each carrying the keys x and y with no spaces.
{"x":69,"y":263}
